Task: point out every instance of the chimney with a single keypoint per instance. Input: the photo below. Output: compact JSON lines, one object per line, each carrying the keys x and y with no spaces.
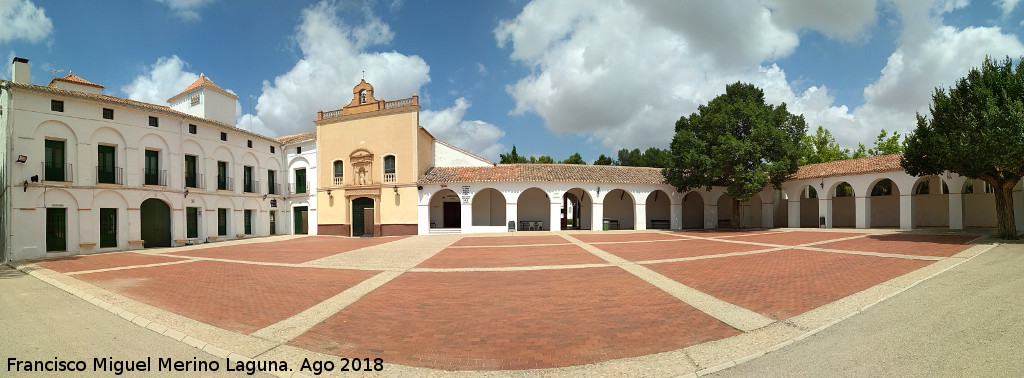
{"x":21,"y":71}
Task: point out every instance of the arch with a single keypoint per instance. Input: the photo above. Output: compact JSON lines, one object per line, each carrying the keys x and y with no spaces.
{"x":693,"y":210}
{"x":155,"y":224}
{"x":62,"y":168}
{"x":445,"y":209}
{"x":534,"y":207}
{"x":931,"y":202}
{"x":844,"y":207}
{"x":359,"y":205}
{"x":111,"y":199}
{"x":750,"y":212}
{"x":488,"y":208}
{"x":978,"y":204}
{"x":885,"y":203}
{"x":659,"y":210}
{"x":577,"y":205}
{"x":725,"y":204}
{"x":809,"y":207}
{"x":619,"y":207}
{"x":222,"y":153}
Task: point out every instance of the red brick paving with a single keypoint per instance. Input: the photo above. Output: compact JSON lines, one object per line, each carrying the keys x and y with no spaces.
{"x":510,"y":240}
{"x":795,"y":237}
{"x":721,"y":232}
{"x":786,"y":283}
{"x":512,"y":320}
{"x":237,"y":297}
{"x":476,"y":257}
{"x":294,"y":251}
{"x":673,"y":249}
{"x":906,"y":244}
{"x":102,"y":261}
{"x":624,"y":237}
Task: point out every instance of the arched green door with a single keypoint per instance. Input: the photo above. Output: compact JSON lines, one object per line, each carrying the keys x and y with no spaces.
{"x":156,"y":223}
{"x":358,"y":205}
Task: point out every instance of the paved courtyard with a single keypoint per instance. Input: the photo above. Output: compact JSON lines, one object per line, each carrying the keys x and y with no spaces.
{"x":676,"y":302}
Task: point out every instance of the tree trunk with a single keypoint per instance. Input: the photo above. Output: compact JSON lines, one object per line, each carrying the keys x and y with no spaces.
{"x":1005,"y":226}
{"x":735,"y":221}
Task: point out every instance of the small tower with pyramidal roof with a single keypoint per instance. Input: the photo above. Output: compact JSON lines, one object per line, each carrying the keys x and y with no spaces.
{"x":204,"y":98}
{"x":72,"y":82}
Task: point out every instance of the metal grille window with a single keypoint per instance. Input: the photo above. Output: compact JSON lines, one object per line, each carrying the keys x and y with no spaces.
{"x":53,"y":166}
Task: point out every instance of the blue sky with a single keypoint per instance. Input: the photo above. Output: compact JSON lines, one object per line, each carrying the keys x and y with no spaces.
{"x":552,"y":77}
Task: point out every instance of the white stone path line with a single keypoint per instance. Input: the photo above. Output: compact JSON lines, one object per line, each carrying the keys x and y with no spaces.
{"x":733,"y":315}
{"x":130,"y":267}
{"x":294,"y":326}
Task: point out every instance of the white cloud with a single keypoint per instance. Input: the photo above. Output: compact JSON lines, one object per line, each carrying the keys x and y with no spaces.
{"x":1006,"y":6}
{"x":334,"y":56}
{"x":165,"y":78}
{"x":478,"y":137}
{"x":836,"y":19}
{"x":22,"y":20}
{"x":187,"y":10}
{"x":623,"y":74}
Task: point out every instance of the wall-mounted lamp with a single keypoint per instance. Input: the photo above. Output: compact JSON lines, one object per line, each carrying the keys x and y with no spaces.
{"x":264,"y":197}
{"x":329,"y":193}
{"x":26,"y":186}
{"x":822,"y":183}
{"x":419,"y":187}
{"x":22,"y":158}
{"x":396,"y":189}
{"x":186,"y":193}
{"x":34,"y":178}
{"x":599,"y":191}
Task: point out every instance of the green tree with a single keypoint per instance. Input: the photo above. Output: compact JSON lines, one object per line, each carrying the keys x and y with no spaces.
{"x":860,"y":152}
{"x":885,"y":145}
{"x":512,"y":157}
{"x":657,"y":158}
{"x":736,"y":141}
{"x":603,"y":160}
{"x":821,"y":147}
{"x":574,"y":159}
{"x":975,"y":130}
{"x":544,"y":159}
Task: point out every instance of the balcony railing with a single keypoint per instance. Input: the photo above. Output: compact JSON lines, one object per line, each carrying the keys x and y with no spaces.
{"x":399,"y":103}
{"x":108,"y":175}
{"x":225,"y":183}
{"x":389,"y":177}
{"x":339,"y":180}
{"x":154,"y":177}
{"x":251,"y":187}
{"x":57,"y":172}
{"x":302,"y":187}
{"x":196,"y":181}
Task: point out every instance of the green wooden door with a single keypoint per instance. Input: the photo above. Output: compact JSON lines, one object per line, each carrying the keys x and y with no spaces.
{"x":247,"y":180}
{"x":191,"y":222}
{"x":222,"y":222}
{"x":300,"y":181}
{"x":105,"y":164}
{"x":56,"y":229}
{"x":108,"y":227}
{"x":358,"y":205}
{"x":273,"y":222}
{"x":271,"y":181}
{"x":54,"y":163}
{"x":247,"y":220}
{"x":156,"y":223}
{"x":300,"y":219}
{"x":152,"y":167}
{"x":222,"y":175}
{"x":190,"y":171}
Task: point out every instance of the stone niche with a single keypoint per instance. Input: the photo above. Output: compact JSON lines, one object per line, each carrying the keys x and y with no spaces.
{"x":362,"y":167}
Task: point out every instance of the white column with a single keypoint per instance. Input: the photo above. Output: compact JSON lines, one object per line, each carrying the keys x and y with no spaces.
{"x":467,"y":217}
{"x":710,"y":216}
{"x":862,"y":210}
{"x":676,"y":213}
{"x":794,"y":213}
{"x":768,"y":215}
{"x":640,"y":216}
{"x":824,"y":210}
{"x":88,"y":226}
{"x":178,"y":224}
{"x":906,"y":211}
{"x":956,"y":211}
{"x":135,"y":224}
{"x":597,"y":216}
{"x":555,"y":216}
{"x":423,"y":219}
{"x":512,"y":213}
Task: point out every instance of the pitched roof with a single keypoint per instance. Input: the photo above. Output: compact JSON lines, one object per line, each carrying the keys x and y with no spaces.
{"x":129,"y":103}
{"x":72,"y":78}
{"x":870,"y":164}
{"x":285,"y":139}
{"x":545,"y":173}
{"x":202,"y":82}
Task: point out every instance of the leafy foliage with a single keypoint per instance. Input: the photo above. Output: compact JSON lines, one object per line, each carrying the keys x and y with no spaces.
{"x":821,"y":147}
{"x":976,"y":130}
{"x":603,"y":160}
{"x":574,"y":159}
{"x":513,"y":157}
{"x":736,"y":141}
